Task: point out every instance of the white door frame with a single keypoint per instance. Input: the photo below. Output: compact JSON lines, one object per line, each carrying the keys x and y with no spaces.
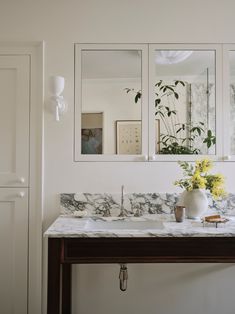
{"x":35,"y":50}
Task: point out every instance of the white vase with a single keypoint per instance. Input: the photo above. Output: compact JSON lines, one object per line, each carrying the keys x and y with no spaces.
{"x":196,"y":203}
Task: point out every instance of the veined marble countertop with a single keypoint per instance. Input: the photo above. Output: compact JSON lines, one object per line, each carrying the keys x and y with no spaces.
{"x":71,"y":227}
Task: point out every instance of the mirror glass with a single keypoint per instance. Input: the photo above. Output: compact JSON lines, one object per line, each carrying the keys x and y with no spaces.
{"x":232,"y":100}
{"x":111,"y":102}
{"x":185,"y":101}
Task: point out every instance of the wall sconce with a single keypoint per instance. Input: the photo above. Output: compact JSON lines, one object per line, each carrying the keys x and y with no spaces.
{"x":57,"y":102}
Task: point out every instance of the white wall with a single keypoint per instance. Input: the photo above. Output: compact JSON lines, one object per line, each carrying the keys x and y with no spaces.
{"x":162,"y":289}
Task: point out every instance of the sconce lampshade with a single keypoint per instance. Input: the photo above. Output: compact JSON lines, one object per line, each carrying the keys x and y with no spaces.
{"x":56,"y":85}
{"x":57,"y":101}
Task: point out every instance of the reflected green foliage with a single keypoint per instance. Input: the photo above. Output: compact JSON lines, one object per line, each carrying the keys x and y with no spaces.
{"x":178,"y":137}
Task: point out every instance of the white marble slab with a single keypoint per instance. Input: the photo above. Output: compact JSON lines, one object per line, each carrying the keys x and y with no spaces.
{"x":69,"y":227}
{"x":135,"y":204}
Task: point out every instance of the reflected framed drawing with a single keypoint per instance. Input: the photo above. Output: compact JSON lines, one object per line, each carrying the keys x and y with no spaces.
{"x":128,"y":137}
{"x":92,"y":133}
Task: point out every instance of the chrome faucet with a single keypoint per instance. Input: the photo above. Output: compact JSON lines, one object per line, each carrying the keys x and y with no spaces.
{"x":123,"y":212}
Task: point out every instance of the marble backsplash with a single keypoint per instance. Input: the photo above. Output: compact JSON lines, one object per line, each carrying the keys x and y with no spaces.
{"x":135,"y":204}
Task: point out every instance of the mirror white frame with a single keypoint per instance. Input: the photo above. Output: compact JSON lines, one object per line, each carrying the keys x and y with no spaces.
{"x":218,"y":100}
{"x":78,"y":102}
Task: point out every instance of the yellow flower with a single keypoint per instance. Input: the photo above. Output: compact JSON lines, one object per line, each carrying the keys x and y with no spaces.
{"x":198,"y":182}
{"x":218,"y":179}
{"x":198,"y":178}
{"x":204,"y":165}
{"x":218,"y":192}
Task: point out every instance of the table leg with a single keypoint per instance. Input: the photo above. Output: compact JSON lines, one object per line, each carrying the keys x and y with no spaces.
{"x":54,"y":272}
{"x":66,"y":289}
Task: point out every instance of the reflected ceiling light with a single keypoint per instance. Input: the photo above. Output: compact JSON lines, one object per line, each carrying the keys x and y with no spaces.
{"x":171,"y":56}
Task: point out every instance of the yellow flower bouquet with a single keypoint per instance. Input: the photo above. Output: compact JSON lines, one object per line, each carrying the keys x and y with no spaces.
{"x":197,"y":177}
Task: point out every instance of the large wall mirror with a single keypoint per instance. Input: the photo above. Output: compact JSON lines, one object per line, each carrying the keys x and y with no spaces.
{"x":185,"y":101}
{"x":232,"y":101}
{"x":110,"y":113}
{"x":146,"y":102}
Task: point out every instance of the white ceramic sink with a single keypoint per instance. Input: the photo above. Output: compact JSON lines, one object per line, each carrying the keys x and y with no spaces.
{"x":122,"y":225}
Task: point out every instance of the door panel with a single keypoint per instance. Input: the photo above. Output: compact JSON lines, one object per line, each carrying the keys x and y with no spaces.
{"x":14,"y":250}
{"x":14,"y":120}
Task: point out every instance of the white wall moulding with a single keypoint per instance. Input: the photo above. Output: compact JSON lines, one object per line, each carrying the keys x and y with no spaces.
{"x":190,"y":73}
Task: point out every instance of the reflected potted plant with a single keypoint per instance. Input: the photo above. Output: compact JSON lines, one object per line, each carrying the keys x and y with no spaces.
{"x":178,"y":138}
{"x":195,"y":183}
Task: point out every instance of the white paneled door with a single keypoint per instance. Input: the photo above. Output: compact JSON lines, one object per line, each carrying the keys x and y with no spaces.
{"x":14,"y":182}
{"x":14,"y":250}
{"x":14,"y":120}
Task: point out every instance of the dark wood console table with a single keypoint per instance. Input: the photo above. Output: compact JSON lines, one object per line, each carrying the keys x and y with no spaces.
{"x":63,"y":252}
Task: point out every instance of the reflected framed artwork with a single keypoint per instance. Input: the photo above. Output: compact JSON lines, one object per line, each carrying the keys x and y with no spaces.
{"x":92,"y":133}
{"x":128,"y":136}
